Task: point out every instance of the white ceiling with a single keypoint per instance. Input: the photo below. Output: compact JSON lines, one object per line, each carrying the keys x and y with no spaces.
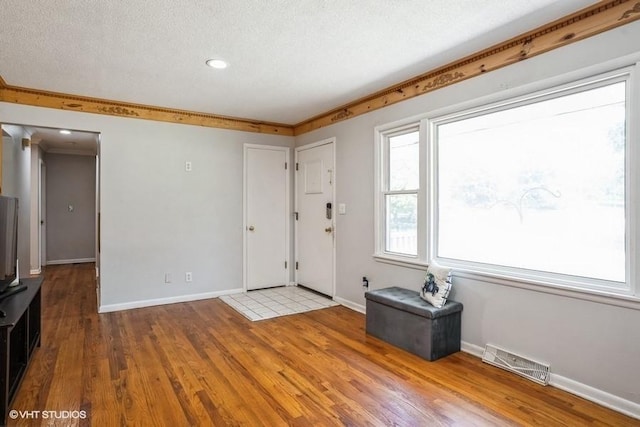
{"x":289,"y":60}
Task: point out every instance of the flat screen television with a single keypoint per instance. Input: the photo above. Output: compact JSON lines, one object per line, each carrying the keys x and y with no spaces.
{"x":8,"y":242}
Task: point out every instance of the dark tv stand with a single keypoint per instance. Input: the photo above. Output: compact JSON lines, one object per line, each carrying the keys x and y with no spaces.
{"x":19,"y":337}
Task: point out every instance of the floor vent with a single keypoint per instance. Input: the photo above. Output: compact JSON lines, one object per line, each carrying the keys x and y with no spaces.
{"x":535,"y":371}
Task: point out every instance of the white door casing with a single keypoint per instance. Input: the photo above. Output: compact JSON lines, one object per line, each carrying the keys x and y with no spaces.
{"x":42,"y":209}
{"x":266,"y":216}
{"x":315,"y":232}
{"x":97,"y":223}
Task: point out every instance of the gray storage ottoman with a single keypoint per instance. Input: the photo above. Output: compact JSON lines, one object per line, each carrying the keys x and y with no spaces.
{"x":400,"y":317}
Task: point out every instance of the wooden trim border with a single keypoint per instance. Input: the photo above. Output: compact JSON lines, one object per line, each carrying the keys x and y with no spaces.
{"x":41,"y":98}
{"x":588,"y":22}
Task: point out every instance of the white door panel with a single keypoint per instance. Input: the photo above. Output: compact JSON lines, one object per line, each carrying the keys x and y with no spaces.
{"x":266,"y":217}
{"x":314,"y":230}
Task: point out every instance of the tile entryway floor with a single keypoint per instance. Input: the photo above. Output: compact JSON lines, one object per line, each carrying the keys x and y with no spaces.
{"x":273,"y":302}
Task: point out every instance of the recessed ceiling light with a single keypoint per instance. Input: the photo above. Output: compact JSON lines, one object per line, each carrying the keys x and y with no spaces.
{"x":65,"y":132}
{"x":217,"y":63}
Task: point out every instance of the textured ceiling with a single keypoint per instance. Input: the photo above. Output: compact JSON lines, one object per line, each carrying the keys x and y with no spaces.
{"x":289,"y":60}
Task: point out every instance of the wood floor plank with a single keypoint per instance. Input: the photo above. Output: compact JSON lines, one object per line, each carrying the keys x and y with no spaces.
{"x":202,"y":364}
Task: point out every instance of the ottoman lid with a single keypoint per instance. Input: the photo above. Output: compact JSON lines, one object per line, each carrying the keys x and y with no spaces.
{"x":410,"y":301}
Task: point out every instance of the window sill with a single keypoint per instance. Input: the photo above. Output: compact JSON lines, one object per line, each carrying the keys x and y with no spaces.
{"x":592,"y":295}
{"x":409,"y":262}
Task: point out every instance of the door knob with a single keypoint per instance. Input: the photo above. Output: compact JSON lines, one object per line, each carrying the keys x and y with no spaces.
{"x":328,"y":229}
{"x":251,"y":228}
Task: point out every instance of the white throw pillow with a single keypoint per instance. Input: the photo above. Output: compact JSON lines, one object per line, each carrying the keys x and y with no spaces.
{"x":437,"y":285}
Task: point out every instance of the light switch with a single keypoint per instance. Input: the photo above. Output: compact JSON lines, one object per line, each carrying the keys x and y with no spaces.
{"x":70,"y":208}
{"x":342,"y":209}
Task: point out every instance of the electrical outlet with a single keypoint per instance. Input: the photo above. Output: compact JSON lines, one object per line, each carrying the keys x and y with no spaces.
{"x":188,"y":277}
{"x":167,"y":277}
{"x":187,"y":166}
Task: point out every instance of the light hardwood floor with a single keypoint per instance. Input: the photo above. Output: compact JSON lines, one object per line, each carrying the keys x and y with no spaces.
{"x":203,"y":364}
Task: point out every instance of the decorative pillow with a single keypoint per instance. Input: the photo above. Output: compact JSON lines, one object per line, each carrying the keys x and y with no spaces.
{"x":437,"y":285}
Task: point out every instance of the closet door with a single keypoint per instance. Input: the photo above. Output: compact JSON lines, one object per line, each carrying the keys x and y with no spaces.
{"x":266,"y":242}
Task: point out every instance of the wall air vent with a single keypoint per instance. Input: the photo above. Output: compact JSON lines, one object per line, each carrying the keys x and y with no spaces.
{"x":535,"y":371}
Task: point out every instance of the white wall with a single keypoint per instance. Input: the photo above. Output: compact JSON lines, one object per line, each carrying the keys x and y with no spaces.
{"x":588,"y":344}
{"x":157,"y":218}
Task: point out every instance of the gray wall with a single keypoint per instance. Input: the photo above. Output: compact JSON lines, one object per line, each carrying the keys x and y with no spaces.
{"x":589,"y":344}
{"x":155,"y":217}
{"x":71,"y":181}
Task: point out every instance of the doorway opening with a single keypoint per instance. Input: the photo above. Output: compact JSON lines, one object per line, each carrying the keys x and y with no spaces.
{"x":54,"y":174}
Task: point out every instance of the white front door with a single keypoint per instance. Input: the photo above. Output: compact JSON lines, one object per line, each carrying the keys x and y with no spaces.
{"x":266,"y":221}
{"x":315,"y":210}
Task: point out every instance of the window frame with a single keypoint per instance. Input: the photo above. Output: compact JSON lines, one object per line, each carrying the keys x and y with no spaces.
{"x":592,"y":289}
{"x":383,"y":135}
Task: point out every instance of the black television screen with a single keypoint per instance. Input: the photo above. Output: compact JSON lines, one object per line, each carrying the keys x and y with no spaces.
{"x":8,"y":241}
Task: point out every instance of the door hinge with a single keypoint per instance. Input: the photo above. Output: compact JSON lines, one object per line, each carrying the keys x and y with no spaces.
{"x":296,"y":165}
{"x":285,"y":165}
{"x":296,"y":265}
{"x":285,"y":264}
{"x":296,"y":214}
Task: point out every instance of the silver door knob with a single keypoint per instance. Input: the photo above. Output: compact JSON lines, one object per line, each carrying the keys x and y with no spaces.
{"x":328,"y":229}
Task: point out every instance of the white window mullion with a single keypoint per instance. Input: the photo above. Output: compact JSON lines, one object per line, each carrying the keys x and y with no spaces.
{"x":424,"y":227}
{"x":632,"y":176}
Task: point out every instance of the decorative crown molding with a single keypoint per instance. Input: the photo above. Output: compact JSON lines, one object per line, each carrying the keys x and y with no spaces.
{"x":42,"y":98}
{"x":588,"y":22}
{"x":635,"y":9}
{"x":601,"y":17}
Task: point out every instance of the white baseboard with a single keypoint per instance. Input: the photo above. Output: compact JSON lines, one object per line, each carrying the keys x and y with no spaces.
{"x":474,"y":350}
{"x":70,"y":261}
{"x":352,"y":305}
{"x":592,"y":394}
{"x":35,"y":271}
{"x":162,"y":301}
{"x":600,"y":397}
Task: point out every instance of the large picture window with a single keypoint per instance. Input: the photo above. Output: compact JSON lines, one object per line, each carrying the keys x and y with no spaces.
{"x":538,"y":186}
{"x":535,"y":188}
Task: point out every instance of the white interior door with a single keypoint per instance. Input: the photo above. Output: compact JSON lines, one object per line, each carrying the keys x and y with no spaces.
{"x":266,"y":217}
{"x":315,"y":209}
